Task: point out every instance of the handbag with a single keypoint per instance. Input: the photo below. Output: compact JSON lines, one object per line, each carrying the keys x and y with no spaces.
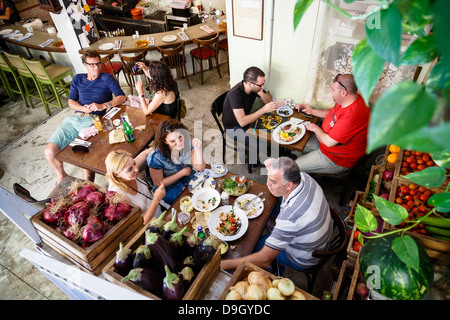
{"x":182,"y":108}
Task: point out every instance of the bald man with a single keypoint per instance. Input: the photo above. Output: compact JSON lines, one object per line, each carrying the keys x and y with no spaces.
{"x":341,"y":141}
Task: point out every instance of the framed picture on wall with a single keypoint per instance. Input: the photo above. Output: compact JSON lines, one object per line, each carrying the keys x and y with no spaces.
{"x":248,"y":18}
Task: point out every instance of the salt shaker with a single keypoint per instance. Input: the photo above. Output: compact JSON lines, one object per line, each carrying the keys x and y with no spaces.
{"x":225,"y":197}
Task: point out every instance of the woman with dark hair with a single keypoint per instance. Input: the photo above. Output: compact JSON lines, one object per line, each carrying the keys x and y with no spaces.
{"x":163,"y":85}
{"x":174,"y":158}
{"x":8,"y":12}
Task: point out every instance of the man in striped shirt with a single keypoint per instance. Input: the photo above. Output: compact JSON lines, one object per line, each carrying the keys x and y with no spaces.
{"x":303,"y":225}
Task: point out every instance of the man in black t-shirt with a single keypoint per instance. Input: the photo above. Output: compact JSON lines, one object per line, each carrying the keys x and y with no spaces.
{"x":238,"y":104}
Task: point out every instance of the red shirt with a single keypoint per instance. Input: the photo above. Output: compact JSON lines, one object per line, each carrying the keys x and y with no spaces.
{"x":348,"y":126}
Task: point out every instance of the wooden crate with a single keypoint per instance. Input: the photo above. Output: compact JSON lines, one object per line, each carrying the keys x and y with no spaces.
{"x":243,"y":271}
{"x":373,"y":171}
{"x":349,"y":276}
{"x":196,"y":291}
{"x":357,"y":200}
{"x":94,"y":258}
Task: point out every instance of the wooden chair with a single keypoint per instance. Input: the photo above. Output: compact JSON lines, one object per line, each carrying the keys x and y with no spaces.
{"x":13,"y":85}
{"x":175,"y":59}
{"x":206,"y":50}
{"x":223,"y":46}
{"x":112,"y":67}
{"x":128,"y":63}
{"x":336,"y":246}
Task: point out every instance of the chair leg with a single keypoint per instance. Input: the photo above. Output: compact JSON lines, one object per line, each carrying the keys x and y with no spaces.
{"x":218,"y":67}
{"x":186,"y":74}
{"x":201,"y":70}
{"x":193,"y":65}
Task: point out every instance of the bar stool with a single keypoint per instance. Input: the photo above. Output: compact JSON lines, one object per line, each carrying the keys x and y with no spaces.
{"x":128,"y":64}
{"x":112,"y":67}
{"x":206,"y":50}
{"x":175,"y":59}
{"x":7,"y":69}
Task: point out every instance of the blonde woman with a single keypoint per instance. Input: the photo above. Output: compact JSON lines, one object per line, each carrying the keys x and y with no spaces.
{"x":122,"y":173}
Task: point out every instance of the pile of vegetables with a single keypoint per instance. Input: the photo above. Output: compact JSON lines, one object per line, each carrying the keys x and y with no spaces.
{"x":167,"y":261}
{"x":258,"y":286}
{"x":86,"y":213}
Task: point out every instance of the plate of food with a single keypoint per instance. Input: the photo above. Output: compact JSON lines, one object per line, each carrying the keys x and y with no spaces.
{"x":206,"y":199}
{"x":218,"y":170}
{"x":228,"y":223}
{"x":233,"y":188}
{"x":106,"y":46}
{"x":201,"y":180}
{"x":169,"y":38}
{"x":6,"y":31}
{"x":270,"y":121}
{"x":141,"y":43}
{"x":255,"y":209}
{"x":288,"y":133}
{"x":285,"y":112}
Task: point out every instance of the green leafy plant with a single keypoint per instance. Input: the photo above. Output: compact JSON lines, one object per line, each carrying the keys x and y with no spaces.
{"x":410,"y":115}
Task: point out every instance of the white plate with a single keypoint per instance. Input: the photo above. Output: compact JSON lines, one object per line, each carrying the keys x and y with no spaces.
{"x":6,"y":31}
{"x":210,"y":182}
{"x":275,"y":132}
{"x":201,"y":199}
{"x":213,"y":222}
{"x":106,"y":46}
{"x":289,"y":110}
{"x":219,"y":168}
{"x":16,"y":36}
{"x":169,"y":38}
{"x":255,"y":210}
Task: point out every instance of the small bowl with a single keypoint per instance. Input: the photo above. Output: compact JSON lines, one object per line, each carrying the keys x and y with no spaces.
{"x":201,"y":197}
{"x":224,"y":247}
{"x":136,"y":11}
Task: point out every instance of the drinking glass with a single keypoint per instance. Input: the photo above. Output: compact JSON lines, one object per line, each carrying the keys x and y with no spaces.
{"x":108,"y":124}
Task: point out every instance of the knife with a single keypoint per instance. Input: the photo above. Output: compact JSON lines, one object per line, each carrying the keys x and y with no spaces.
{"x":245,"y":206}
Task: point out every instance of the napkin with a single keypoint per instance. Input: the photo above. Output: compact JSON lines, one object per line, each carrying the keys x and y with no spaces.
{"x":26,"y":36}
{"x":116,"y":136}
{"x":46,"y":43}
{"x":207,"y":29}
{"x":79,"y":142}
{"x":88,"y":132}
{"x":135,"y":102}
{"x":200,"y":219}
{"x":11,"y":33}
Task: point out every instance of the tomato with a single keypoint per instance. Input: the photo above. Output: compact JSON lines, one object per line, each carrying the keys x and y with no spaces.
{"x":405,"y":164}
{"x":357,"y":246}
{"x":409,"y":197}
{"x":423,"y":208}
{"x":418,"y":153}
{"x":398,"y":200}
{"x":424,"y":197}
{"x":430,"y":163}
{"x":404,"y":189}
{"x":410,"y":160}
{"x":421,"y":167}
{"x":426,"y":157}
{"x":407,"y":153}
{"x":417,"y":202}
{"x":356,"y":234}
{"x":421,"y":189}
{"x":410,"y":203}
{"x":413,"y":192}
{"x":420,"y":161}
{"x":427,"y":192}
{"x":412,"y":186}
{"x":413,"y":165}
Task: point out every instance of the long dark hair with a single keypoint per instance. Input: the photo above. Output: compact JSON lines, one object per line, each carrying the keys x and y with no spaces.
{"x":161,"y":77}
{"x":166,"y":127}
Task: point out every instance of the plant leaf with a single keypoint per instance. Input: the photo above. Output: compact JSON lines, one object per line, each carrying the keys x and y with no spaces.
{"x":365,"y":221}
{"x":430,"y":177}
{"x":367,"y":68}
{"x":442,"y":159}
{"x":421,"y":51}
{"x":390,"y":212}
{"x":439,"y":77}
{"x":426,"y":139}
{"x":441,"y":201}
{"x":407,"y":251}
{"x":299,"y":10}
{"x":403,"y":108}
{"x":385,"y":37}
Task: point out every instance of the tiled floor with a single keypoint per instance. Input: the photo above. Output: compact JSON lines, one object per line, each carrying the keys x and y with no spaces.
{"x":22,"y":161}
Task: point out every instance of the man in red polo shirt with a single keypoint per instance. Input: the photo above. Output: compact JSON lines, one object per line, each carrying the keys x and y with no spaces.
{"x":342,"y":139}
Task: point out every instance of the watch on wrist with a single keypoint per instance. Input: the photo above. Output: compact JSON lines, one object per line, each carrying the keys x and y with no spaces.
{"x":108,"y":104}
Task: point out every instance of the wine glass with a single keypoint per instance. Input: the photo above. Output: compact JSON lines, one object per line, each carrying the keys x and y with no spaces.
{"x":215,"y":13}
{"x":203,"y":15}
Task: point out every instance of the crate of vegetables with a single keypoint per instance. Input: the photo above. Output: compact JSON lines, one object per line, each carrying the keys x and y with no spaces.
{"x":357,"y":240}
{"x":165,"y":262}
{"x":434,"y":231}
{"x":250,"y":282}
{"x":360,"y":198}
{"x":85,"y":223}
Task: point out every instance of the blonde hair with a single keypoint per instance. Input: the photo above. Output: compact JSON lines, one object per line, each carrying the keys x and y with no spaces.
{"x":115,"y":162}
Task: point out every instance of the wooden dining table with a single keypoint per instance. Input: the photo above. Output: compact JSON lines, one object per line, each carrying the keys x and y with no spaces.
{"x":245,"y":244}
{"x":267,"y":134}
{"x":94,"y":160}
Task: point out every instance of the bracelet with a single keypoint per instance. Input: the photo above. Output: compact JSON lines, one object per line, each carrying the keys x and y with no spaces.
{"x":142,"y":95}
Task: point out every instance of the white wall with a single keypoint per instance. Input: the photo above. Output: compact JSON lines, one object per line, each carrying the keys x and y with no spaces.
{"x":284,"y":55}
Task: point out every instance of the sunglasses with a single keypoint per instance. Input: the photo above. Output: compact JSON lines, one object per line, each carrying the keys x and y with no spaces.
{"x":259,"y":85}
{"x":336,"y":80}
{"x":98,"y":64}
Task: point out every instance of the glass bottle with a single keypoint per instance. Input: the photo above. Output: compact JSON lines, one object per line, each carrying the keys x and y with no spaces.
{"x":129,"y":135}
{"x":200,"y":233}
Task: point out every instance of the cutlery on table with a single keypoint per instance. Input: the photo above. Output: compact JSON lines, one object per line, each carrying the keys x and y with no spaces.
{"x":247,"y":205}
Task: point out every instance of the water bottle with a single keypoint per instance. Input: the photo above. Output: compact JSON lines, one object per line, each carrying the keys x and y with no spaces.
{"x":200,"y":233}
{"x":129,"y":136}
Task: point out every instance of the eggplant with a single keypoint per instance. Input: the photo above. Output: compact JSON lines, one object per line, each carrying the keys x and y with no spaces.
{"x":142,"y":257}
{"x":147,"y":279}
{"x":205,"y":251}
{"x":170,"y":227}
{"x":189,"y":245}
{"x":123,"y":263}
{"x":161,"y":251}
{"x":156,"y":224}
{"x":176,"y":241}
{"x":172,"y":288}
{"x":187,"y":276}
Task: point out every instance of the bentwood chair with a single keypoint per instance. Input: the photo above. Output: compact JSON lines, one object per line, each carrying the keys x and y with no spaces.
{"x":206,"y":50}
{"x":12,"y":86}
{"x":128,"y":64}
{"x":223,"y":46}
{"x":112,"y":67}
{"x":336,"y":247}
{"x":175,"y":59}
{"x":51,"y":79}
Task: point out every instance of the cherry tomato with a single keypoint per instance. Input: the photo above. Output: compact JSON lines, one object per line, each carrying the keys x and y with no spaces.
{"x":398,"y":200}
{"x":424,"y":197}
{"x":426,"y":157}
{"x":421,"y":189}
{"x":356,"y":234}
{"x":357,"y":246}
{"x":423,"y":208}
{"x":430,"y":163}
{"x":413,"y":165}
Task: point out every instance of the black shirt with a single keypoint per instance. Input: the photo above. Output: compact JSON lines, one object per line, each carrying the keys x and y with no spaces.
{"x":14,"y":13}
{"x":236,"y":99}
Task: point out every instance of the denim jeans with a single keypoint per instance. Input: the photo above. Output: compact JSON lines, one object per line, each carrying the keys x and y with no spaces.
{"x":176,"y":188}
{"x":312,"y":159}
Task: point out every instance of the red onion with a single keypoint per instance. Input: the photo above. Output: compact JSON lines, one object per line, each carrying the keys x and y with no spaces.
{"x":53,"y":212}
{"x":93,"y":230}
{"x":388,"y":175}
{"x":362,"y":290}
{"x":95,"y":197}
{"x":115,"y":212}
{"x":77,"y":213}
{"x":72,"y":232}
{"x":82,"y":192}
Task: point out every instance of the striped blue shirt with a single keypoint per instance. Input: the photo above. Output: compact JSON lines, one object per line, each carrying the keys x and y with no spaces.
{"x":304,"y":224}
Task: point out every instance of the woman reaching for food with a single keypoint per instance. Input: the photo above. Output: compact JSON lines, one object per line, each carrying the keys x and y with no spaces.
{"x":174,"y":158}
{"x":122,"y":173}
{"x":163,"y":85}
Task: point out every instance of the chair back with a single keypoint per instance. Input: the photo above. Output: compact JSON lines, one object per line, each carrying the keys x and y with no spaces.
{"x":217,"y":110}
{"x":4,"y":63}
{"x":128,"y":64}
{"x":338,"y":243}
{"x":173,"y":57}
{"x":35,"y":67}
{"x":207,"y":47}
{"x":16,"y":62}
{"x":108,"y":65}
